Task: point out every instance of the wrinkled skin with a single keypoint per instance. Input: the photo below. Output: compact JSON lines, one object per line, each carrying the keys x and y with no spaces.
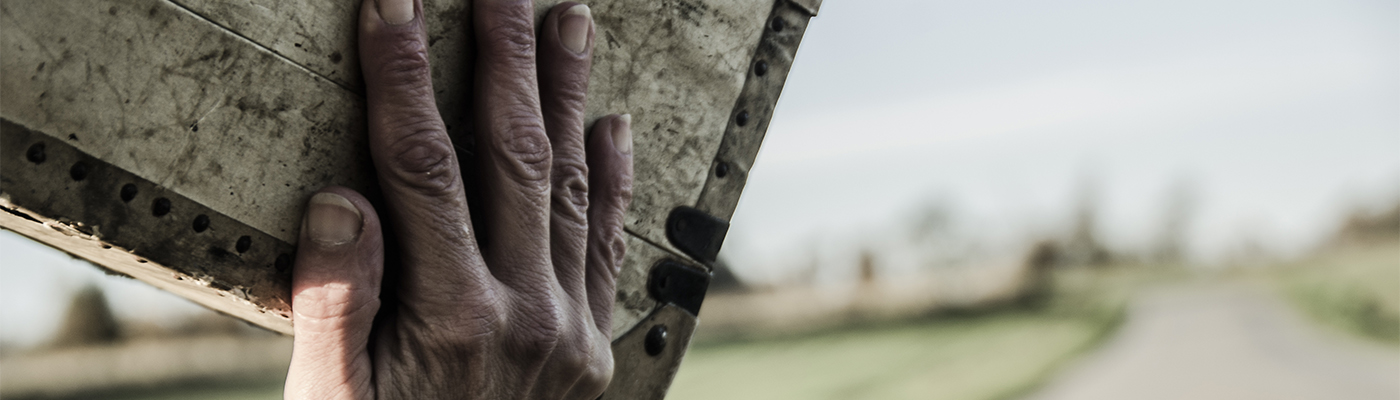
{"x":525,"y":314}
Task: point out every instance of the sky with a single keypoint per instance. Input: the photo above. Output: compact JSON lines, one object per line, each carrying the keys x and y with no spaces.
{"x":1276,"y":118}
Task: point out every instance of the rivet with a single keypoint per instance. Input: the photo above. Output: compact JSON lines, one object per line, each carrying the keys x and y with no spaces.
{"x":128,"y":192}
{"x":36,"y":153}
{"x":777,"y":25}
{"x":79,"y":171}
{"x":742,"y":119}
{"x":656,"y":340}
{"x":243,"y":244}
{"x":201,"y":223}
{"x":283,"y":262}
{"x":722,"y":170}
{"x":160,"y":207}
{"x":760,"y":68}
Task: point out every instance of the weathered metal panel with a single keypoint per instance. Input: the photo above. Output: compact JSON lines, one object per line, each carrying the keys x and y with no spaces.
{"x":675,"y":65}
{"x":160,"y":92}
{"x":768,"y":70}
{"x":650,"y":354}
{"x":223,"y":116}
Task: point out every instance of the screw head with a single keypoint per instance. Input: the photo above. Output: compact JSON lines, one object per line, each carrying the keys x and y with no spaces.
{"x":742,"y":119}
{"x":722,"y":170}
{"x":656,"y":340}
{"x":35,"y":154}
{"x":777,"y":25}
{"x":760,"y":68}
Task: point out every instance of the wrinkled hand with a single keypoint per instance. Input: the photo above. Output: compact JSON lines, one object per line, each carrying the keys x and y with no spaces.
{"x":523,"y":315}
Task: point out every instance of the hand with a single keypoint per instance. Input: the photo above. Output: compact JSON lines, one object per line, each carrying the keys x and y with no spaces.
{"x":525,"y":314}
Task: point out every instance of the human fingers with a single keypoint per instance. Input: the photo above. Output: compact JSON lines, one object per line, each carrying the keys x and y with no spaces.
{"x":564,"y":60}
{"x":610,"y":174}
{"x":415,"y":160}
{"x":513,"y":151}
{"x":335,"y":296}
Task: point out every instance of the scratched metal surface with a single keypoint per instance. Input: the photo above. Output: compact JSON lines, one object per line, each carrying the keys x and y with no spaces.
{"x":237,"y":110}
{"x":675,"y":65}
{"x":281,"y":110}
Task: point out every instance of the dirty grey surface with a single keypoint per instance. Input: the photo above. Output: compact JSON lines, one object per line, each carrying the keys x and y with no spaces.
{"x":675,"y":65}
{"x":740,"y":143}
{"x":160,"y":92}
{"x":642,"y":375}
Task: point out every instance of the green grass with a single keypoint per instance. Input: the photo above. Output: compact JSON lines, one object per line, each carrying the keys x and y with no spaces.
{"x":991,"y":354}
{"x":984,"y":357}
{"x":1354,"y":289}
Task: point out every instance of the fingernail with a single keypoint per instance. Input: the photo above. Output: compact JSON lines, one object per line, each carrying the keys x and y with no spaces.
{"x":331,"y":220}
{"x":622,"y":134}
{"x":573,"y":27}
{"x":396,"y":12}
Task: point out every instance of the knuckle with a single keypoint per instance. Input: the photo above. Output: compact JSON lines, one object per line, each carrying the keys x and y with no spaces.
{"x":510,"y":37}
{"x":425,"y":160}
{"x":537,"y":325}
{"x":622,"y":190}
{"x":406,"y":62}
{"x":571,"y":188}
{"x":524,"y":149}
{"x":540,"y":336}
{"x":568,"y":91}
{"x":332,"y":302}
{"x":597,"y":372}
{"x":574,"y":362}
{"x":608,"y":248}
{"x":617,"y":250}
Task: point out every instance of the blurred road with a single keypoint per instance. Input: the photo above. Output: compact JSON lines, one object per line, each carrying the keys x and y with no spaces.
{"x":1226,"y":341}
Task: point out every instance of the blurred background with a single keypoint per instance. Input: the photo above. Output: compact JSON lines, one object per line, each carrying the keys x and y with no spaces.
{"x":967,"y":200}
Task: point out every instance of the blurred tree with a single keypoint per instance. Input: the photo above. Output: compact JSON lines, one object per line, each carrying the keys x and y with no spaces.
{"x":1083,"y":246}
{"x":1169,"y":247}
{"x":1037,"y":285}
{"x":935,"y":237}
{"x":867,"y":266}
{"x":89,"y":321}
{"x":1369,"y":227}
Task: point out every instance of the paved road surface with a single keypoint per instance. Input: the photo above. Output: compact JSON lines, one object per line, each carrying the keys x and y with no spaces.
{"x":1226,"y":341}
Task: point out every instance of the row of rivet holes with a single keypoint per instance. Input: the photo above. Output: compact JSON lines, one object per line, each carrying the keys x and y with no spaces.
{"x":159,"y":207}
{"x":760,"y":68}
{"x":655,"y":340}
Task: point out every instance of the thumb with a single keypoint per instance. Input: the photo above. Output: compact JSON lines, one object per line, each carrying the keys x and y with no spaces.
{"x":335,"y":295}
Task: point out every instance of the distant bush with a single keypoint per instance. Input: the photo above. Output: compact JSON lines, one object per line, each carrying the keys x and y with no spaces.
{"x":1356,"y":289}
